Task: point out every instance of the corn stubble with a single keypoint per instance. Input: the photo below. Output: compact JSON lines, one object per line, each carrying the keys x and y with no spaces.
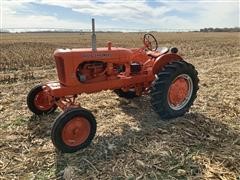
{"x":131,"y":142}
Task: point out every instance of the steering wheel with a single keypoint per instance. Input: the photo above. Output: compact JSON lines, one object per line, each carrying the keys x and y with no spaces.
{"x":150,"y":42}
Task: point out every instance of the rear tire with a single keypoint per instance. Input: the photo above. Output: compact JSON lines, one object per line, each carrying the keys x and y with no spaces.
{"x":127,"y":95}
{"x":174,"y":90}
{"x":73,"y":130}
{"x":37,"y":101}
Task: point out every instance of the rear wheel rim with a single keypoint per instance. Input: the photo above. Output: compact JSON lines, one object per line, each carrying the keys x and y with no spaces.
{"x":180,"y":92}
{"x":76,"y":131}
{"x":41,"y":101}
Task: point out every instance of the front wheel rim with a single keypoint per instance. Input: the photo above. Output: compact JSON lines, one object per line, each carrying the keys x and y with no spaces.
{"x":76,"y":131}
{"x":41,"y":101}
{"x":180,"y":92}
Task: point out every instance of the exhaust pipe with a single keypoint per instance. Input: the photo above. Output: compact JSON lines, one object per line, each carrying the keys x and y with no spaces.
{"x":94,"y":46}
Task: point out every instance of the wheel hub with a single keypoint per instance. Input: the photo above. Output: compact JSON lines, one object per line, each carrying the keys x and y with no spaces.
{"x":41,"y":101}
{"x":76,"y":131}
{"x":180,"y":92}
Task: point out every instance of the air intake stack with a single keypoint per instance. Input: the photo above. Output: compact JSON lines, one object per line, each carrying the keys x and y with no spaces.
{"x":94,"y":46}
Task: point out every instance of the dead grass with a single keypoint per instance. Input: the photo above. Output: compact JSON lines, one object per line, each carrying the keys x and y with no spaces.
{"x":131,"y":141}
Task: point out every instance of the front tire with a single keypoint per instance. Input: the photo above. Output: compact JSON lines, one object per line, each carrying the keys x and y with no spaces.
{"x":37,"y":101}
{"x":73,"y":130}
{"x":174,"y":90}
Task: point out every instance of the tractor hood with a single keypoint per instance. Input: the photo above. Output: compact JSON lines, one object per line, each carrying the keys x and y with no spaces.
{"x":88,"y":54}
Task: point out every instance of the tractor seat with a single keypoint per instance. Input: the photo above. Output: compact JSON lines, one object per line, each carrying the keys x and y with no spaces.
{"x":158,"y":52}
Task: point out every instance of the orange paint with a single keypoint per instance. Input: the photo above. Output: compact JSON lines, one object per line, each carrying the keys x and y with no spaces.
{"x":76,"y":131}
{"x":42,"y":102}
{"x":87,"y":71}
{"x":178,"y":91}
{"x":163,"y":60}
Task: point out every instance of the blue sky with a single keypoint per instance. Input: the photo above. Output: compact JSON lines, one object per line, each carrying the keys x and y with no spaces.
{"x":140,"y":14}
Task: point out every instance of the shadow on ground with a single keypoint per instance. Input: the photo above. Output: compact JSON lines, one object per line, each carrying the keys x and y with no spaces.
{"x":40,"y":126}
{"x":189,"y":146}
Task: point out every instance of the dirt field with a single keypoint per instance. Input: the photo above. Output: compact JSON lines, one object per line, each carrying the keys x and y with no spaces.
{"x":132,"y":142}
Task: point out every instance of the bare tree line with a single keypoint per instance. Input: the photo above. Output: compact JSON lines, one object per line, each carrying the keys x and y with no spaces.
{"x":235,"y":29}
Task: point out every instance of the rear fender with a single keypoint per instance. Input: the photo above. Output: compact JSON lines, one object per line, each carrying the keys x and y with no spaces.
{"x":163,"y":60}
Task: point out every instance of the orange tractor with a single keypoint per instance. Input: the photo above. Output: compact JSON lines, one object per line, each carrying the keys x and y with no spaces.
{"x":171,"y":82}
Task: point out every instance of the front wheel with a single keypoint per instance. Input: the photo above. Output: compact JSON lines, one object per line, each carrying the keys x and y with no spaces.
{"x":174,"y":90}
{"x":38,"y":103}
{"x":73,"y":130}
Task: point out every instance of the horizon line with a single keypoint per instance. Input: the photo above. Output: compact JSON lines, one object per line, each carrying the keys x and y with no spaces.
{"x":37,"y":29}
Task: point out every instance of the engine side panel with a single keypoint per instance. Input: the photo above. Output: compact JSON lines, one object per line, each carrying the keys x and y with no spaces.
{"x":68,"y":62}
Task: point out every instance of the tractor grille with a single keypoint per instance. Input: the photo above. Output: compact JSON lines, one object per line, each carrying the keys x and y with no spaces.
{"x":60,"y":69}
